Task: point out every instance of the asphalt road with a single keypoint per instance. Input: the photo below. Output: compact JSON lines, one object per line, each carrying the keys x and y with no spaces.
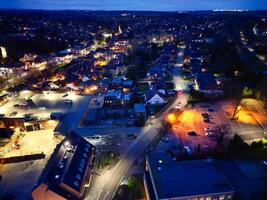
{"x":105,"y":186}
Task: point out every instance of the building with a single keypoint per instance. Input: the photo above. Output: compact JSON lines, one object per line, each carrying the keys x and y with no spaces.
{"x":56,"y":115}
{"x":92,"y":116}
{"x":154,"y":98}
{"x":67,"y":171}
{"x":206,"y":84}
{"x":113,"y":98}
{"x":196,"y":179}
{"x":12,"y":122}
{"x":140,"y":110}
{"x":140,"y":113}
{"x":6,"y":138}
{"x":3,"y":99}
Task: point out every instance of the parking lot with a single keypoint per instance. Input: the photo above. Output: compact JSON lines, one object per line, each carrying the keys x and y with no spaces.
{"x":193,"y":130}
{"x":38,"y":106}
{"x":251,"y":122}
{"x":203,"y":124}
{"x":19,"y":178}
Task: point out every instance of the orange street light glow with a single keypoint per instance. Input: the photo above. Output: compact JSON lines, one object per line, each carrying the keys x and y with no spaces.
{"x":171,"y":117}
{"x":187,"y":116}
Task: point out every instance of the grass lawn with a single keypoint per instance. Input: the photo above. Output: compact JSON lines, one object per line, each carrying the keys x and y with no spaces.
{"x":107,"y":158}
{"x":135,"y":184}
{"x":143,"y":87}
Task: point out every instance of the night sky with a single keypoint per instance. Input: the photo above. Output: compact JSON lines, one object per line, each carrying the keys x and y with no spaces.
{"x":160,"y":5}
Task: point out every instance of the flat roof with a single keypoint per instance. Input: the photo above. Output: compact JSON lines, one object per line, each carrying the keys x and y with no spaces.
{"x":185,"y":178}
{"x":68,"y":165}
{"x":139,"y":107}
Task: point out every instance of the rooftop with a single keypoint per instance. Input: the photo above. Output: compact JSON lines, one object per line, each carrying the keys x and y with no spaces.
{"x":185,"y":178}
{"x":139,"y":107}
{"x":68,"y":165}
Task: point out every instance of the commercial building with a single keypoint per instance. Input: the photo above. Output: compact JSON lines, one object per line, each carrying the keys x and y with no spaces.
{"x":196,"y":179}
{"x":67,"y":171}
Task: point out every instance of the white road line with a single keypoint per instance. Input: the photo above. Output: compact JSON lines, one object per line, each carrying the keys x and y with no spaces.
{"x":104,"y":198}
{"x":92,"y":193}
{"x":99,"y":194}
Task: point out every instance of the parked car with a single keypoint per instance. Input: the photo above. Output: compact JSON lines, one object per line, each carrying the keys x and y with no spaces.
{"x":210,"y":134}
{"x":132,"y":136}
{"x":207,"y":120}
{"x":13,"y":114}
{"x":192,"y":133}
{"x":205,"y":115}
{"x":68,"y":101}
{"x":207,"y":129}
{"x":188,"y":150}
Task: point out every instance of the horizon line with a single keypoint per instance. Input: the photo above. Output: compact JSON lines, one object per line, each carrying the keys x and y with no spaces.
{"x":130,"y":10}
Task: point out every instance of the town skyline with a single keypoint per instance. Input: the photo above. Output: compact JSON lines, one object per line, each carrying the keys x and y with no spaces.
{"x":138,"y":5}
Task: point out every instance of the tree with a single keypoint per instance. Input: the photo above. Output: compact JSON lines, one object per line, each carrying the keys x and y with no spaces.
{"x":246,"y":92}
{"x":131,"y":73}
{"x":257,"y":145}
{"x":237,"y":144}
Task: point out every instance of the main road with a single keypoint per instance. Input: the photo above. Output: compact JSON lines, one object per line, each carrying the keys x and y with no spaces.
{"x":105,"y":185}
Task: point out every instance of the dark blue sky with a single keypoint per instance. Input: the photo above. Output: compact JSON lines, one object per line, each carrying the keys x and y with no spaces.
{"x":169,"y":5}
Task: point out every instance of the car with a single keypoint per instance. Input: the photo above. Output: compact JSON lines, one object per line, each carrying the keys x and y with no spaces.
{"x":28,"y":114}
{"x":132,"y":136}
{"x":192,"y":133}
{"x":68,"y":101}
{"x":210,"y":134}
{"x":205,"y":114}
{"x":207,"y":120}
{"x":16,"y":105}
{"x":180,"y":91}
{"x":211,"y":110}
{"x":188,"y":150}
{"x":65,"y":95}
{"x":207,"y":129}
{"x":13,"y":114}
{"x":42,"y":108}
{"x":205,"y":148}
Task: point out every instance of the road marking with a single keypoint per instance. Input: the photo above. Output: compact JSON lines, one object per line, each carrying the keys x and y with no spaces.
{"x":99,"y":194}
{"x":91,"y":192}
{"x":106,"y":195}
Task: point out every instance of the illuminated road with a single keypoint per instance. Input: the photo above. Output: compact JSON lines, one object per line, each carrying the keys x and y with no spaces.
{"x":104,"y":186}
{"x":179,"y":82}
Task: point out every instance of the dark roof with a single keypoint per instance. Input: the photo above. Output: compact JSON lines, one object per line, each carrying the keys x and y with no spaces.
{"x":185,"y":178}
{"x":92,"y":115}
{"x":68,"y":165}
{"x":6,"y":133}
{"x":206,"y":81}
{"x":149,"y":186}
{"x":139,"y":107}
